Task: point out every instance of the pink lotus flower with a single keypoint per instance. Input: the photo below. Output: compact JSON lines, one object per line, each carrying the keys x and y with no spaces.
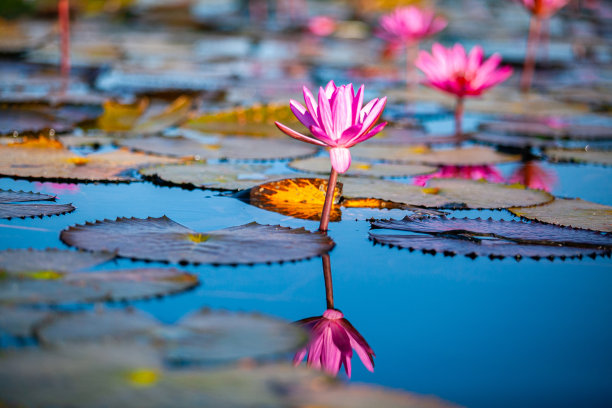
{"x":409,"y":25}
{"x":543,"y":8}
{"x":338,"y":121}
{"x":488,"y":173}
{"x":322,"y":26}
{"x":452,"y":70}
{"x":332,"y":342}
{"x":531,"y":175}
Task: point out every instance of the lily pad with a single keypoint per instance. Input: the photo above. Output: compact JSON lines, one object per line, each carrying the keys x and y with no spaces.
{"x":161,"y":239}
{"x":11,"y":207}
{"x":203,"y":337}
{"x":496,"y":239}
{"x":470,"y":156}
{"x":575,"y":213}
{"x":362,"y":168}
{"x":519,"y":141}
{"x":296,"y":197}
{"x":549,"y":131}
{"x":445,"y":193}
{"x":31,"y":122}
{"x":256,"y":120}
{"x":51,"y":277}
{"x":133,"y":376}
{"x":239,"y":148}
{"x":603,"y":157}
{"x":20,"y":321}
{"x":223,"y":176}
{"x":23,"y":161}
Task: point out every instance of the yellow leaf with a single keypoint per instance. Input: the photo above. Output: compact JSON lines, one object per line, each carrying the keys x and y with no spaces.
{"x":119,"y":117}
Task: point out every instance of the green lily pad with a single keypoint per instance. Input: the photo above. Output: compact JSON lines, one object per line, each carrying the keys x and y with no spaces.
{"x":132,"y":376}
{"x":470,"y":156}
{"x":603,"y":157}
{"x":495,"y":239}
{"x":161,"y":239}
{"x":575,"y":213}
{"x":239,"y":148}
{"x":11,"y":207}
{"x":51,"y":277}
{"x":60,"y":164}
{"x":203,"y":337}
{"x":360,"y":168}
{"x":445,"y":193}
{"x":222,"y":176}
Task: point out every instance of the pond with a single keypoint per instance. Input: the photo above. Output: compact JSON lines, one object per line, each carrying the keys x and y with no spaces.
{"x":475,"y":331}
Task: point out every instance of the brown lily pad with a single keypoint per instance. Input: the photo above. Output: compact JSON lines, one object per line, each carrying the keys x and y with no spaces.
{"x":58,"y":163}
{"x":574,"y":213}
{"x":445,"y":193}
{"x":470,"y":156}
{"x":11,"y":205}
{"x":222,"y":176}
{"x":603,"y":157}
{"x":361,"y":168}
{"x":238,"y":148}
{"x":161,"y":239}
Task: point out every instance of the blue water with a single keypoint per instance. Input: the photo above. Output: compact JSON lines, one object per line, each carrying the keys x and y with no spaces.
{"x":480,"y":333}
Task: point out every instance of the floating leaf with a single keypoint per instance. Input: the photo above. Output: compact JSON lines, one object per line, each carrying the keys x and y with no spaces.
{"x":132,"y":376}
{"x":603,"y":157}
{"x":361,"y":168}
{"x":223,"y":176}
{"x":22,"y":161}
{"x":445,"y":193}
{"x":551,"y":130}
{"x":10,"y":206}
{"x":135,"y":118}
{"x":50,"y":277}
{"x":477,"y":237}
{"x":19,"y":321}
{"x":296,"y":197}
{"x":519,"y":141}
{"x":575,"y":213}
{"x":470,"y":156}
{"x":203,"y":337}
{"x":161,"y":239}
{"x":256,"y":120}
{"x":31,"y":122}
{"x":19,"y":37}
{"x":240,"y":148}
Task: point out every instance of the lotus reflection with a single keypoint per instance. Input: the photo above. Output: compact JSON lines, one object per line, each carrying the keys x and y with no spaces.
{"x":531,"y":175}
{"x":332,"y":337}
{"x":488,"y":173}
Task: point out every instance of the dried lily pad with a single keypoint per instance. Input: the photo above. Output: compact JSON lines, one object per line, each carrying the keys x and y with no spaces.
{"x":496,"y":239}
{"x":445,"y":193}
{"x":296,"y":197}
{"x":57,"y":163}
{"x":470,"y":156}
{"x":51,"y":277}
{"x":161,"y":239}
{"x":133,"y":376}
{"x":142,"y":117}
{"x":361,"y":168}
{"x":223,"y":176}
{"x":203,"y":337}
{"x":10,"y":206}
{"x":240,"y":148}
{"x":256,"y":120}
{"x":574,"y":213}
{"x":603,"y":157}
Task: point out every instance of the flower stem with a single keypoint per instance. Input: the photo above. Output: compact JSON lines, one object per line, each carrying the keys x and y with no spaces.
{"x":329,"y":288}
{"x":532,"y":45}
{"x":329,"y":197}
{"x":63,"y":9}
{"x":459,"y":117}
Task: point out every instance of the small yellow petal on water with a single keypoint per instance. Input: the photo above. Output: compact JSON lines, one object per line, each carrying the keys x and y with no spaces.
{"x":143,"y":377}
{"x":198,"y":238}
{"x":363,"y":166}
{"x":419,"y":149}
{"x":78,"y":161}
{"x":430,"y":190}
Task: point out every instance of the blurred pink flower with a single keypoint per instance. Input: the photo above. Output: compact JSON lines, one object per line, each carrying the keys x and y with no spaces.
{"x":543,"y":8}
{"x":58,"y":188}
{"x":488,"y":173}
{"x":409,"y":25}
{"x":322,"y":26}
{"x":332,"y":342}
{"x":531,"y":175}
{"x":338,"y":121}
{"x":452,"y":70}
